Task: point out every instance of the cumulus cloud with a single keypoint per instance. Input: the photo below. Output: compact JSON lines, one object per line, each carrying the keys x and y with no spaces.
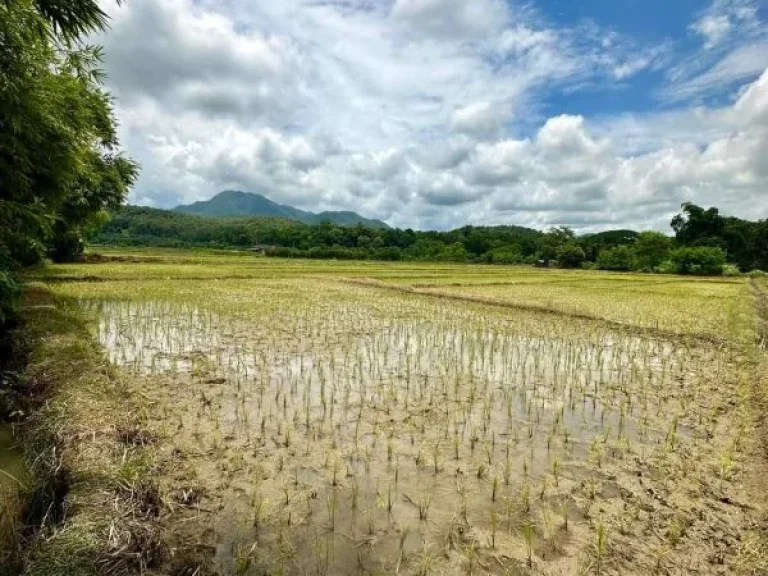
{"x":479,"y":119}
{"x":192,"y":59}
{"x":427,"y":113}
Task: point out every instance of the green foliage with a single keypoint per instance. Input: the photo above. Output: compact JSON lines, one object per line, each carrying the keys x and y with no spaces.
{"x":595,"y":244}
{"x":71,"y":18}
{"x":667,"y":267}
{"x":651,"y":249}
{"x":9,"y":293}
{"x":554,"y":240}
{"x":615,"y":249}
{"x":702,"y":260}
{"x":59,"y":160}
{"x":506,"y":255}
{"x":288,"y":238}
{"x":570,"y":256}
{"x":696,"y":225}
{"x":745,"y":243}
{"x":620,"y":258}
{"x":455,"y":253}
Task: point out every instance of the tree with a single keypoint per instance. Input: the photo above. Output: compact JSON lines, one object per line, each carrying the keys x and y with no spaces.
{"x":742,"y":241}
{"x":103,"y":186}
{"x":620,"y":258}
{"x":651,"y":249}
{"x":702,"y":260}
{"x":696,"y":226}
{"x":595,"y":244}
{"x":506,"y":255}
{"x":455,"y":253}
{"x":60,"y":164}
{"x":554,"y":240}
{"x":477,"y":242}
{"x":8,"y":294}
{"x":570,"y":256}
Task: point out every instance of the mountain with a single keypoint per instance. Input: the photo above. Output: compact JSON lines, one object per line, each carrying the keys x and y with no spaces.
{"x":236,"y":203}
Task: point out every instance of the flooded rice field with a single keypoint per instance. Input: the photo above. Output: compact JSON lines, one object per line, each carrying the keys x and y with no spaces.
{"x":382,"y":433}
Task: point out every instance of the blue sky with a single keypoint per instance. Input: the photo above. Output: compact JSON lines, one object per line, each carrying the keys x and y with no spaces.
{"x":662,"y":23}
{"x":438,"y":113}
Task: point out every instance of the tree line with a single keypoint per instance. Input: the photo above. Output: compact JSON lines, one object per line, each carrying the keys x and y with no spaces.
{"x":704,"y":241}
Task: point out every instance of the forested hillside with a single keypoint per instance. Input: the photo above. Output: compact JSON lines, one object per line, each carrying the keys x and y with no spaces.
{"x":704,"y":241}
{"x":137,"y":226}
{"x":248,"y":204}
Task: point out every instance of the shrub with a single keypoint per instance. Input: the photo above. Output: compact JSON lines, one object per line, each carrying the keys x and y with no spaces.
{"x":454,"y":253}
{"x":731,"y":270}
{"x":757,"y":274}
{"x":506,"y":255}
{"x":667,"y":267}
{"x":391,"y":254}
{"x":698,"y":260}
{"x":619,"y":258}
{"x":651,"y":249}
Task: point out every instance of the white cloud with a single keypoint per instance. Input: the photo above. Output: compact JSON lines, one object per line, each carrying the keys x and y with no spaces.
{"x":724,"y":18}
{"x":479,"y":119}
{"x":738,"y":65}
{"x":428,"y":112}
{"x":714,"y":28}
{"x":452,"y":18}
{"x":734,"y":50}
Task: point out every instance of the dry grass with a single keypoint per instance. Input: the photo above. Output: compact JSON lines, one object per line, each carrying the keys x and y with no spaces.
{"x":79,"y":509}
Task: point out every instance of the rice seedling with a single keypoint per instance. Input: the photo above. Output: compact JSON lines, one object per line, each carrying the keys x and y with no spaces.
{"x":243,"y":556}
{"x":527,"y":531}
{"x":494,"y":526}
{"x":600,"y":547}
{"x":424,"y":505}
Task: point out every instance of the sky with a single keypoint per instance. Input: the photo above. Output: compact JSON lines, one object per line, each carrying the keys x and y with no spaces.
{"x":434,"y":114}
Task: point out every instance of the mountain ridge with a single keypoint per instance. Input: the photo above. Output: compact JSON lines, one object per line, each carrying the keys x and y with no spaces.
{"x":251,"y":204}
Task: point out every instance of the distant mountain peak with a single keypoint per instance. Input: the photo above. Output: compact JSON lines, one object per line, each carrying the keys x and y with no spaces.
{"x":250,"y":204}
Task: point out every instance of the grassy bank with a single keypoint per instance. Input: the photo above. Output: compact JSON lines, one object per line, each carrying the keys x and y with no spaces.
{"x":88,"y":461}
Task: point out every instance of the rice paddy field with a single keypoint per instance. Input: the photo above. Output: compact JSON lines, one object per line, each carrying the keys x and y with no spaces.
{"x":300,"y":417}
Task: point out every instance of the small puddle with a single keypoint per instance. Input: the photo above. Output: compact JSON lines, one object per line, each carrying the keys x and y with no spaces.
{"x":13,"y":472}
